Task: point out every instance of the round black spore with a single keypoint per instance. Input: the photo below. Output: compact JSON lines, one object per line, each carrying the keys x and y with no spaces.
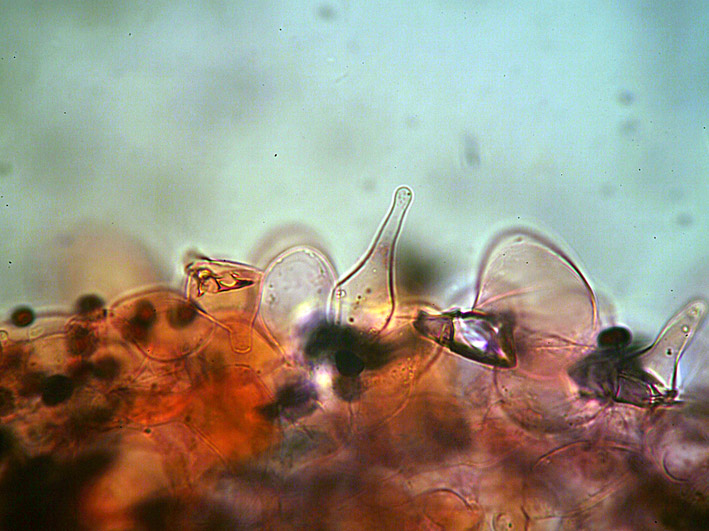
{"x":614,"y":337}
{"x":348,"y":363}
{"x":57,"y":389}
{"x":22,"y":316}
{"x":88,"y":303}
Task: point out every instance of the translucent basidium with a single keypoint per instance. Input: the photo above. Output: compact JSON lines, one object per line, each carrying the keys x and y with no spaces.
{"x":291,"y":398}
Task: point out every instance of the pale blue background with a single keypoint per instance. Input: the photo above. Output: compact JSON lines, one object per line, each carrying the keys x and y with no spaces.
{"x":587,"y":119}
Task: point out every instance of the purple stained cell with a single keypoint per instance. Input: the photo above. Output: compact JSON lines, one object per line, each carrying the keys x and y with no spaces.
{"x":285,"y":398}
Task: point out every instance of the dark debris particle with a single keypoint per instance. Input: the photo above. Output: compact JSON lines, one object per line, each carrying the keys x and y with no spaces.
{"x":56,"y":389}
{"x":22,"y":316}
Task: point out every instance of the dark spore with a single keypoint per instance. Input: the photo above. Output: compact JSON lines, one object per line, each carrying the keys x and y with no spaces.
{"x":614,"y":337}
{"x":22,"y":316}
{"x":348,"y":363}
{"x":88,"y":304}
{"x":144,"y":317}
{"x":181,"y":314}
{"x":56,"y":389}
{"x":144,"y":314}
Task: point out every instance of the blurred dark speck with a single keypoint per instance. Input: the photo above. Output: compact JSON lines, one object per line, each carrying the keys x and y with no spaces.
{"x":412,"y":121}
{"x":608,"y":190}
{"x":5,"y":169}
{"x":326,"y":12}
{"x":629,"y":127}
{"x":470,"y":151}
{"x":625,"y":97}
{"x":369,"y":185}
{"x":684,"y":219}
{"x":417,"y":271}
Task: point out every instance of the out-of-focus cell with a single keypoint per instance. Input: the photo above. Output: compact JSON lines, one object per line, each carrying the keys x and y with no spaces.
{"x":296,"y":288}
{"x":226,"y":290}
{"x":365,"y":297}
{"x":163,"y":324}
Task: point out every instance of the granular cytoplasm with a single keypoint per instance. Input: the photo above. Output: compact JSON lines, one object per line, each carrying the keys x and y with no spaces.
{"x":290,"y":397}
